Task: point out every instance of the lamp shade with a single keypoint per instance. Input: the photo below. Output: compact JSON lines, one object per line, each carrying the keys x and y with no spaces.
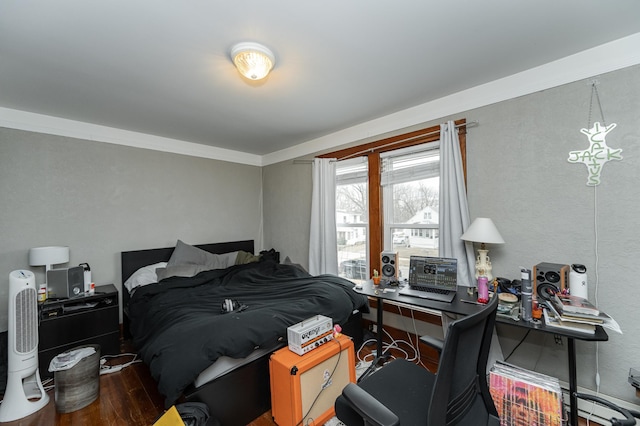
{"x":253,"y":60}
{"x":47,"y":256}
{"x":483,"y":230}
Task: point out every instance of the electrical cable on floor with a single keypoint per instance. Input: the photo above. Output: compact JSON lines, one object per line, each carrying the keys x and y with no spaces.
{"x":108,"y":369}
{"x":358,"y":352}
{"x":47,"y":384}
{"x":395,"y":345}
{"x":385,"y":348}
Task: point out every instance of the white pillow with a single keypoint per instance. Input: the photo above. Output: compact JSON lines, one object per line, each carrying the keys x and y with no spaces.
{"x":143,"y":276}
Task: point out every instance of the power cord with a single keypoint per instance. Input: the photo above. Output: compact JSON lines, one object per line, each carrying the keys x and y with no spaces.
{"x":394,"y":344}
{"x":48,"y":384}
{"x":416,"y":346}
{"x":518,"y":345}
{"x":108,"y":369}
{"x":594,"y":91}
{"x":328,"y":381}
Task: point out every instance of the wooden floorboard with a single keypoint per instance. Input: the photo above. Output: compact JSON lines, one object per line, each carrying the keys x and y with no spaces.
{"x":130,"y":397}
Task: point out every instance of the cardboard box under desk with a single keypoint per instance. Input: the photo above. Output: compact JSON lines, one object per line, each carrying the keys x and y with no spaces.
{"x":304,"y":388}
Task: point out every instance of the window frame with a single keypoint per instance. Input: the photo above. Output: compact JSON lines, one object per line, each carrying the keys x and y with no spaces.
{"x":372,"y":151}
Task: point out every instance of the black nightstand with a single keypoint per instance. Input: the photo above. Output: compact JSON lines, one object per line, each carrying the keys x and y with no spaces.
{"x":67,"y":323}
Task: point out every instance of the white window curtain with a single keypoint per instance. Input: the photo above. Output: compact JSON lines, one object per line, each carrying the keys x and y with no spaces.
{"x":454,"y":220}
{"x":454,"y":211}
{"x":323,"y":246}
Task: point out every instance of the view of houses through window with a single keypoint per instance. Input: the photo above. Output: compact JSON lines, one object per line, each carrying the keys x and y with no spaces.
{"x":410,"y":200}
{"x":352,"y":216}
{"x":410,"y":180}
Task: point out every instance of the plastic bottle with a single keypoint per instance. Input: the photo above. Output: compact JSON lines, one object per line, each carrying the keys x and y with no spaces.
{"x":526,"y":295}
{"x":578,"y":281}
{"x":483,"y":287}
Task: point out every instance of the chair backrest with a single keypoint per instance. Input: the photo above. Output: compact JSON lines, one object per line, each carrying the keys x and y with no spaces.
{"x":461,"y":394}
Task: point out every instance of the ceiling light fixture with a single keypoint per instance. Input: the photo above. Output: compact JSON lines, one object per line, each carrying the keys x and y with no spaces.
{"x":253,"y":60}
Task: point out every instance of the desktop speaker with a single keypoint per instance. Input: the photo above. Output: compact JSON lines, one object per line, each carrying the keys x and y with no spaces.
{"x":65,"y":282}
{"x":389,"y":265}
{"x":549,"y":278}
{"x":304,"y":388}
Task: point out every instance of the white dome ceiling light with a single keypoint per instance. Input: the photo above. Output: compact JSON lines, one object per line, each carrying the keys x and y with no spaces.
{"x":253,"y":60}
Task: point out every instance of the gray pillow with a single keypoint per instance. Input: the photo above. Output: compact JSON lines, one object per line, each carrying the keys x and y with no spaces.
{"x":179,"y":271}
{"x":185,"y":254}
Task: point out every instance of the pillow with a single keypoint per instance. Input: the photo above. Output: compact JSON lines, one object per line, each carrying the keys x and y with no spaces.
{"x":244,"y":257}
{"x":185,"y":254}
{"x":143,"y":276}
{"x":180,"y":271}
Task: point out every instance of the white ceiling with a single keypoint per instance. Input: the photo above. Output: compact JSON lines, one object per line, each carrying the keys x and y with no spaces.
{"x":162,"y":68}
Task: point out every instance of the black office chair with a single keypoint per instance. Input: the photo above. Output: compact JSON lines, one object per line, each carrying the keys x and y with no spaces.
{"x":405,"y":393}
{"x":630,"y":416}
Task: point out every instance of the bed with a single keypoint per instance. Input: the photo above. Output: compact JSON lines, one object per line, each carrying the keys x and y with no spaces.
{"x":199,"y":351}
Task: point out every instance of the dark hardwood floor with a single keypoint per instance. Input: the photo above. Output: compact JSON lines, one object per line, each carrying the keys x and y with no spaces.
{"x":129,"y":397}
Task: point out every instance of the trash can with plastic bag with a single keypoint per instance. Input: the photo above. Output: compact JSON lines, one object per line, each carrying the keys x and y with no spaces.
{"x":77,"y":377}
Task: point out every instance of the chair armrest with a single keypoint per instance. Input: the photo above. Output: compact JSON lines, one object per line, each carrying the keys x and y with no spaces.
{"x":629,"y":419}
{"x":434,"y":342}
{"x":371,"y":410}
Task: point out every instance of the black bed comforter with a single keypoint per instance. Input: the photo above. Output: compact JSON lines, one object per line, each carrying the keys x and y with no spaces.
{"x":179,"y":329}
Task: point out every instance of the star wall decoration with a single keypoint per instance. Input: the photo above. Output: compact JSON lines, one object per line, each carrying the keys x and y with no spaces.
{"x":598,"y":153}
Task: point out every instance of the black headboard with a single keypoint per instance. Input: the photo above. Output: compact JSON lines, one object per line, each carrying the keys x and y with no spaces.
{"x":134,"y":260}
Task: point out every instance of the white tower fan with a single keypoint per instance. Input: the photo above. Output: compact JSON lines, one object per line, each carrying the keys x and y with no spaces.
{"x":24,"y":394}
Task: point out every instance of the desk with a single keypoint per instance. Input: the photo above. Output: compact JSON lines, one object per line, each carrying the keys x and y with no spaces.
{"x":456,"y":307}
{"x":461,"y":308}
{"x":599,"y":336}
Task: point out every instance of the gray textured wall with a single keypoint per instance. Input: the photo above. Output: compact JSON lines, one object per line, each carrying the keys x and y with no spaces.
{"x":519,"y":176}
{"x":100,"y":199}
{"x":287,"y":198}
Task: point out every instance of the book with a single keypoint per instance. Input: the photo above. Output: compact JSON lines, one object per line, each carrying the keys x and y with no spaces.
{"x":575,"y":305}
{"x":551,"y":320}
{"x":584,"y":318}
{"x":602,"y":319}
{"x":589,"y":319}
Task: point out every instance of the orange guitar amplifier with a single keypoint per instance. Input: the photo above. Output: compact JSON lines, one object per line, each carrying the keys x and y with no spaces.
{"x":305,"y":387}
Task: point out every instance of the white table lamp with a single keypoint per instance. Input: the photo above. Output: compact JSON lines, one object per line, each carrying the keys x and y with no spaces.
{"x":48,"y":256}
{"x":483,"y":231}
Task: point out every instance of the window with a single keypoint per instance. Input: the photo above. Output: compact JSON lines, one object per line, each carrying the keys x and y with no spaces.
{"x":410,"y":195}
{"x":387,"y":198}
{"x":352,"y":214}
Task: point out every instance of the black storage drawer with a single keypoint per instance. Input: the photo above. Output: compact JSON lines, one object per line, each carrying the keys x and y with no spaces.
{"x":65,"y":324}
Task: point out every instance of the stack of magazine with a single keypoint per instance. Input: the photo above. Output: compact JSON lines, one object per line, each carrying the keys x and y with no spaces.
{"x":576,"y":314}
{"x":524,"y":397}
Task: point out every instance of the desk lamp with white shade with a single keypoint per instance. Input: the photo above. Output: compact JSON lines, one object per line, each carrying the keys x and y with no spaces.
{"x":48,"y":256}
{"x":483,"y":231}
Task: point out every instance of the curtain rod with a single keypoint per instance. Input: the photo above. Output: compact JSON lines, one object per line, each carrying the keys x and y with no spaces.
{"x":356,"y":154}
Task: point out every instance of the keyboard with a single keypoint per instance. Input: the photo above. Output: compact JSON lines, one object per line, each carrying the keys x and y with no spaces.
{"x":429,"y":289}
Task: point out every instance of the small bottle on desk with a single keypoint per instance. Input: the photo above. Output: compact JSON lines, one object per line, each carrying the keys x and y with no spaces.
{"x":526,"y":298}
{"x":483,"y":287}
